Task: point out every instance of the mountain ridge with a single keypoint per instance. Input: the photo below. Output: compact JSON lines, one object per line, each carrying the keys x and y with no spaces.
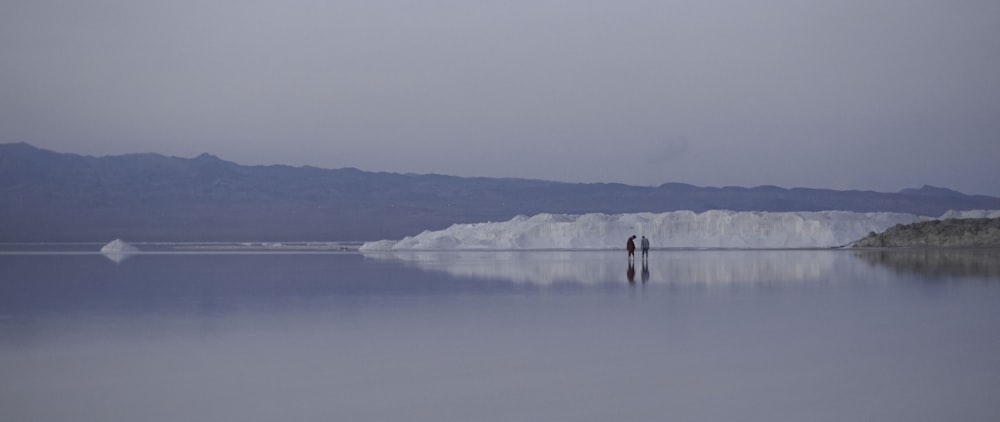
{"x":51,"y":196}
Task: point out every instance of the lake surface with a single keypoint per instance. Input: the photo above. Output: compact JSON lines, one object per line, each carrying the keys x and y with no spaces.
{"x":817,"y":335}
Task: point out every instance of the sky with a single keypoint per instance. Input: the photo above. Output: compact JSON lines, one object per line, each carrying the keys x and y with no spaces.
{"x":853,"y":94}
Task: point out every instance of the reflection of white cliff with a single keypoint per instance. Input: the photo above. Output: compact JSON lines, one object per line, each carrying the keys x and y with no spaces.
{"x":593,"y":267}
{"x":680,"y":229}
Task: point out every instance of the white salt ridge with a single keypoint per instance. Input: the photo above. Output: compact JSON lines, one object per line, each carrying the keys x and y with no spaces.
{"x":971,"y":214}
{"x":677,"y":229}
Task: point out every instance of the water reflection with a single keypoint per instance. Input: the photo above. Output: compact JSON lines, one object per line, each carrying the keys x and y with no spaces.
{"x":937,"y":262}
{"x":117,"y":256}
{"x":423,"y":337}
{"x":204,"y":284}
{"x":592,"y":267}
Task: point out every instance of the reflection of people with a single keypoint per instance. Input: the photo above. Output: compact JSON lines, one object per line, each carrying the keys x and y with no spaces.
{"x":645,"y":271}
{"x":645,"y":247}
{"x":630,"y":273}
{"x":630,"y":246}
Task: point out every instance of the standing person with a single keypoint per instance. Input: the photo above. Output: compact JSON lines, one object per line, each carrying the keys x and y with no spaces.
{"x":645,"y":247}
{"x":630,"y":247}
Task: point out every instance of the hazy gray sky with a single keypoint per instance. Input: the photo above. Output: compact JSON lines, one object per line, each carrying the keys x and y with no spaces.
{"x":851,"y":94}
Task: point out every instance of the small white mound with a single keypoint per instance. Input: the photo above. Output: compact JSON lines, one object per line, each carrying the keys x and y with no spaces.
{"x":118,"y":246}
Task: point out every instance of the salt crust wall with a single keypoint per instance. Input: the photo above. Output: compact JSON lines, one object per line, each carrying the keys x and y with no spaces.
{"x":678,"y":229}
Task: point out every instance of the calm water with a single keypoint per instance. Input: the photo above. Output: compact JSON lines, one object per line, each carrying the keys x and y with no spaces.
{"x":554,"y":336}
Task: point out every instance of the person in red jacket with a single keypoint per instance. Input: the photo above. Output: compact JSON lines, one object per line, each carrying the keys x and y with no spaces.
{"x":630,"y":247}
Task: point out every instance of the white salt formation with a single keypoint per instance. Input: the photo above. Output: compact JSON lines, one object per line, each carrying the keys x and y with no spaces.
{"x":678,"y":229}
{"x":117,"y":251}
{"x":971,"y":214}
{"x":118,"y":246}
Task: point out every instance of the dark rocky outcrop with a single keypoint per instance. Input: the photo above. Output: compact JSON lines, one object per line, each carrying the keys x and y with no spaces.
{"x":967,"y":232}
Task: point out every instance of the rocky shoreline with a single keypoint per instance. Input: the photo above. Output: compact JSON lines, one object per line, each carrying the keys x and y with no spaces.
{"x":966,"y":232}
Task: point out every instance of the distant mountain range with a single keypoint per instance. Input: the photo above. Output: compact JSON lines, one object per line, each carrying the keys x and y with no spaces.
{"x":47,"y":196}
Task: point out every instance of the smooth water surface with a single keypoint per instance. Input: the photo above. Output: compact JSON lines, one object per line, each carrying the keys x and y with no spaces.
{"x":818,"y":335}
